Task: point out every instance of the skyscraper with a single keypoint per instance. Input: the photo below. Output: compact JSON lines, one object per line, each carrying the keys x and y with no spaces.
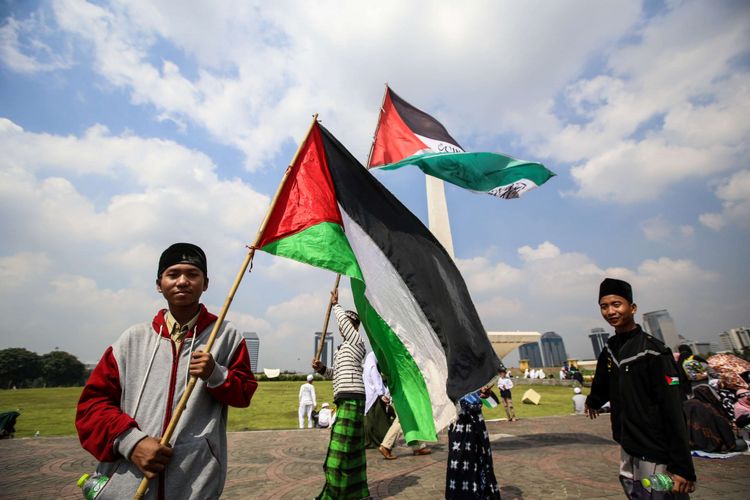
{"x":252,"y":341}
{"x":531,"y":353}
{"x":735,"y":339}
{"x":553,"y":349}
{"x":326,"y":355}
{"x":660,"y":325}
{"x":598,"y":340}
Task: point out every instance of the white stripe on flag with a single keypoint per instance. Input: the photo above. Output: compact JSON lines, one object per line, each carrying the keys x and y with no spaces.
{"x":391,"y":298}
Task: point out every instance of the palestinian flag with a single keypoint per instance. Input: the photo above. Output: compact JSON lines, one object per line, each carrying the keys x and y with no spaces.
{"x":408,"y":136}
{"x":490,"y":401}
{"x":412,"y":301}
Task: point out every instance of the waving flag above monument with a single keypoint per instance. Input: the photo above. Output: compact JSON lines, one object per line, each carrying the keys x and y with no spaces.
{"x":406,"y":135}
{"x":412,"y":301}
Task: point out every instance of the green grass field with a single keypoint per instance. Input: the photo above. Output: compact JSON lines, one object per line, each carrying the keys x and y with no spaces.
{"x":274,"y":406}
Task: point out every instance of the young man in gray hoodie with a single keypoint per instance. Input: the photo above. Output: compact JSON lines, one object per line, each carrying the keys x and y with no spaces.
{"x":129,"y":399}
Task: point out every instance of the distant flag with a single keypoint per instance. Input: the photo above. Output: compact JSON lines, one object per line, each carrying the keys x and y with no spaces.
{"x":406,"y":135}
{"x":412,"y":301}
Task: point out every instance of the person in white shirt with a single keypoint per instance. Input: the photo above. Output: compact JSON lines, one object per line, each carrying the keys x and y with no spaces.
{"x":504,"y":385}
{"x":306,"y":403}
{"x":579,"y":402}
{"x":326,"y":416}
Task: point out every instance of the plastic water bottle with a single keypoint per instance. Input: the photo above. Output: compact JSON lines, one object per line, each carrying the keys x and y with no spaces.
{"x":658,"y":482}
{"x":92,"y":485}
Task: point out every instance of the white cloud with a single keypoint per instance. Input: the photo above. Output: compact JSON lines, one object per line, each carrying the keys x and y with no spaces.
{"x":24,"y":49}
{"x":545,"y":250}
{"x":149,"y":181}
{"x":681,"y":116}
{"x":482,"y":275}
{"x":735,"y":196}
{"x":659,"y":229}
{"x":256,"y":71}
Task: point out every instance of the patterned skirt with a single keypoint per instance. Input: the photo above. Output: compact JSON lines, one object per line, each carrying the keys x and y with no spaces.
{"x":470,"y":473}
{"x":346,"y":463}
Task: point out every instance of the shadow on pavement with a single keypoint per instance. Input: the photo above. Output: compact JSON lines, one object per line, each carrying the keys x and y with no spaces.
{"x":552,"y":439}
{"x":394,"y":487}
{"x":511,"y":493}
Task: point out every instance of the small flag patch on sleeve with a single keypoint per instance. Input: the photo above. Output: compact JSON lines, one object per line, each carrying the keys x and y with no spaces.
{"x":672,"y":380}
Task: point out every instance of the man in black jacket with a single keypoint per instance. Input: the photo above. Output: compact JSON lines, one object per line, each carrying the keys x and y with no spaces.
{"x":637,"y":374}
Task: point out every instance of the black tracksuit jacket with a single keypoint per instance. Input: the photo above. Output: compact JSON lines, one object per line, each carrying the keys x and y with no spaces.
{"x":637,"y":374}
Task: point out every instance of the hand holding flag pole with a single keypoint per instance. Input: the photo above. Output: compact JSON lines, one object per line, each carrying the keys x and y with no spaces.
{"x":143,"y":487}
{"x":327,"y":317}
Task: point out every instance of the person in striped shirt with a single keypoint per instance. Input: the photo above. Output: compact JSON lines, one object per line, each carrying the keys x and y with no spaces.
{"x":345,"y":465}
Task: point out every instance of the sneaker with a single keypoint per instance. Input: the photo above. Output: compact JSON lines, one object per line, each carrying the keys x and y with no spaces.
{"x":386,"y":453}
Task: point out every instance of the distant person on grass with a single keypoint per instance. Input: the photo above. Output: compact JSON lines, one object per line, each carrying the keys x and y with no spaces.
{"x":325,"y":416}
{"x":307,"y":402}
{"x":131,"y":394}
{"x":638,"y":375}
{"x":504,"y":385}
{"x":346,"y":464}
{"x":579,"y":402}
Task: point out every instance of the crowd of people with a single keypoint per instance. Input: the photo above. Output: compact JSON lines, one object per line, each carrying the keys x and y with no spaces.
{"x":662,"y":405}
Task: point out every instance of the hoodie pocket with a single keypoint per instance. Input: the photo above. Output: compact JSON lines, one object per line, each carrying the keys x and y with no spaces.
{"x":194,"y":471}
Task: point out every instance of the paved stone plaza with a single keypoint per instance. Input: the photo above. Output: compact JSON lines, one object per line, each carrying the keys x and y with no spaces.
{"x":552,"y":457}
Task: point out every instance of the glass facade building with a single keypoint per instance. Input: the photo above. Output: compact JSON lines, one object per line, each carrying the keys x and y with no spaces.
{"x":531,"y":353}
{"x":598,"y":340}
{"x":553,"y":349}
{"x":252,"y":341}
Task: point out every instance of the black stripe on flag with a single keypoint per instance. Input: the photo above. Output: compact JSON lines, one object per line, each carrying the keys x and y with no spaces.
{"x":420,"y":122}
{"x":422,"y":263}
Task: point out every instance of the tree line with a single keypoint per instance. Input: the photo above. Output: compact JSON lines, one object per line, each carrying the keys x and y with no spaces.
{"x":20,"y":368}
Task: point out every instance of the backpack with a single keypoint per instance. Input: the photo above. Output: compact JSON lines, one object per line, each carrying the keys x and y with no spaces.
{"x":695,"y":369}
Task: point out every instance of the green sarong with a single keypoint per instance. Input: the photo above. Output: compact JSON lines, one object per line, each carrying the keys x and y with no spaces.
{"x":346,"y":463}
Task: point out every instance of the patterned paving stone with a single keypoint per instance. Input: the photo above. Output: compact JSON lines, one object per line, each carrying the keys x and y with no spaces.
{"x":542,"y":458}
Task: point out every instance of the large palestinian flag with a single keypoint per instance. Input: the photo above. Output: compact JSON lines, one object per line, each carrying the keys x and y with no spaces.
{"x":413,"y":303}
{"x":408,"y":136}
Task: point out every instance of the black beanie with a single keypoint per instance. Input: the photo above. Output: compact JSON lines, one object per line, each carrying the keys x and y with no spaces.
{"x":611,"y":286}
{"x":183,"y":253}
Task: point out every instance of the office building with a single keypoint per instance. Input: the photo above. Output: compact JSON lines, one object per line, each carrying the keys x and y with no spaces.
{"x":660,"y":325}
{"x":598,"y":340}
{"x":252,"y":342}
{"x":702,"y":349}
{"x":326,"y":355}
{"x":735,"y":339}
{"x":532,"y":354}
{"x":553,"y":349}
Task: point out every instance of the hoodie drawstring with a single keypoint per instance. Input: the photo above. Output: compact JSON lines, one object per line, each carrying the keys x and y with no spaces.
{"x":190,"y":353}
{"x":148,"y":371}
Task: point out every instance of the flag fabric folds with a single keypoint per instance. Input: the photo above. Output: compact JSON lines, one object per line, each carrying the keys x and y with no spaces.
{"x":412,"y":301}
{"x":408,"y":136}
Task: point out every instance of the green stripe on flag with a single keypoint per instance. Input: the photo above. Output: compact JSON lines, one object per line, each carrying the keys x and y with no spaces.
{"x":323,"y":245}
{"x":405,"y":381}
{"x":476,"y":171}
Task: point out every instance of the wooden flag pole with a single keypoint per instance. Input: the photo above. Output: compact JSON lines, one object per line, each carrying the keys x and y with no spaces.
{"x":325,"y":322}
{"x":143,"y":487}
{"x":377,"y":126}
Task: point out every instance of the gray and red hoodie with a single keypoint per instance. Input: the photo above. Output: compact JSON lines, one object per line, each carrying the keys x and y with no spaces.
{"x":109,"y":424}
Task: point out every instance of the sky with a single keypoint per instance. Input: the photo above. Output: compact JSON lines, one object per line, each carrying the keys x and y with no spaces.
{"x":126,"y":126}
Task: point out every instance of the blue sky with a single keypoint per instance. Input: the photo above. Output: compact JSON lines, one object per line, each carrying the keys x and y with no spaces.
{"x":128,"y":125}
